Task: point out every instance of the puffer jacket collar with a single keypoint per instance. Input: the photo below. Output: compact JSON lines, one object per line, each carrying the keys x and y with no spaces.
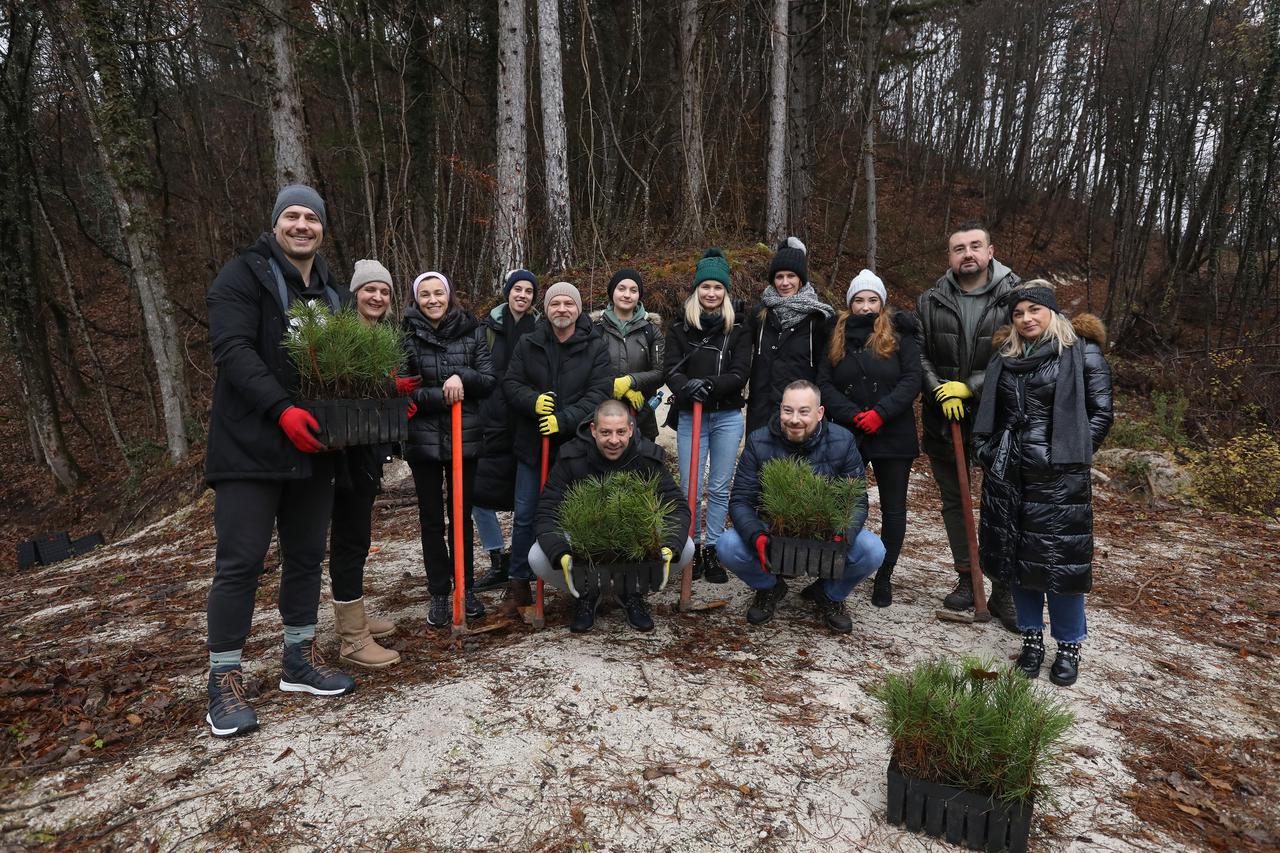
{"x":804,"y":448}
{"x":454,"y":324}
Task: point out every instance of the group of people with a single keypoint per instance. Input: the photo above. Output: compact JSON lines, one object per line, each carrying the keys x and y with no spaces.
{"x":794,"y":376}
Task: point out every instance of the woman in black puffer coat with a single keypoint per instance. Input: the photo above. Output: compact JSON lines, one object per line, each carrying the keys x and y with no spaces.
{"x":1046,"y":409}
{"x":446,"y":349}
{"x":869,"y":381}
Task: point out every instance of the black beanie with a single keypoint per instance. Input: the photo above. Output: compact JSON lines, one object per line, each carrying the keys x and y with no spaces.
{"x":519,"y":275}
{"x":792,"y":257}
{"x":1039,"y":295}
{"x":625,"y":273}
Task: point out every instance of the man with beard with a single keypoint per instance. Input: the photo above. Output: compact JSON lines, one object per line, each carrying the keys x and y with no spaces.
{"x":266,"y":467}
{"x":558,"y":374}
{"x":958,"y":316}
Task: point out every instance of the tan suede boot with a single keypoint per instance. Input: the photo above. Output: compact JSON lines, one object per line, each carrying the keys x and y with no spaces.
{"x":380,"y":628}
{"x":358,"y":645}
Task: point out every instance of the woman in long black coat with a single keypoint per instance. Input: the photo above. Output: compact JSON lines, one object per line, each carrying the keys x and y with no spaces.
{"x":869,"y":381}
{"x":446,"y":349}
{"x":1046,"y":408}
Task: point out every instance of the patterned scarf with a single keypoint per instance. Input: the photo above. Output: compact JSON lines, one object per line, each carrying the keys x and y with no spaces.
{"x":790,"y":310}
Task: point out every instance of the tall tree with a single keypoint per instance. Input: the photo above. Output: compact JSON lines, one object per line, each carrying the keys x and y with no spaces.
{"x":288,"y":125}
{"x":775,"y":181}
{"x":555,"y":146}
{"x":693,"y":186}
{"x":510,"y":225}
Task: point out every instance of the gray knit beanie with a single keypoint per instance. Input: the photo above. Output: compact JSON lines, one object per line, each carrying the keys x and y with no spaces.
{"x":562,"y":288}
{"x":299,"y":194}
{"x":866,"y":280}
{"x":367,"y":271}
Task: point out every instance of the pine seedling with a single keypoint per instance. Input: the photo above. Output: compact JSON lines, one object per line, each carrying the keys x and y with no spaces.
{"x":801,"y":503}
{"x":338,"y":355}
{"x":618,"y":518}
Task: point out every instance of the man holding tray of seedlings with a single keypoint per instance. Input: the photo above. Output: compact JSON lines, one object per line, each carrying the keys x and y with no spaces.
{"x":798,"y":431}
{"x":604,"y":445}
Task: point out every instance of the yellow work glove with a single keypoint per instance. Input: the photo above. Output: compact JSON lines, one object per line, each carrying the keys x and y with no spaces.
{"x":545,"y":404}
{"x":953,"y":409}
{"x":621,"y":385}
{"x":667,"y":556}
{"x":635,"y":398}
{"x":956,"y":390}
{"x":548,"y":425}
{"x":566,"y":566}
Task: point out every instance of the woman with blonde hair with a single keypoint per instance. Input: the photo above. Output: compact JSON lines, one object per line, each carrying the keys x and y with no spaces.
{"x":1045,"y":410}
{"x":870,"y":380}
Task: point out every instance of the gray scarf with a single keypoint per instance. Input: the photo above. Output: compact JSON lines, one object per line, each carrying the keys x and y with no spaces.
{"x":792,"y":309}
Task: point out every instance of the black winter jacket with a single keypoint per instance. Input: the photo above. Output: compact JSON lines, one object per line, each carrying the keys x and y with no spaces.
{"x":577,"y":371}
{"x":580,"y":459}
{"x":707,"y":354}
{"x":638,"y":352}
{"x":831,"y":450}
{"x":256,"y":379}
{"x":456,"y":346}
{"x":496,"y":472}
{"x":862,"y":380}
{"x":781,"y":356}
{"x":1037,"y":520}
{"x":949,"y":352}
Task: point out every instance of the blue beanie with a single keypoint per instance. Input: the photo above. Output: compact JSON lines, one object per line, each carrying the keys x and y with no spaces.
{"x":519,"y":275}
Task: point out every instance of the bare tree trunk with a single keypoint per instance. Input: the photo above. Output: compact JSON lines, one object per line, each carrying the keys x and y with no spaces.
{"x":803,"y":85}
{"x":288,"y":128}
{"x":776,"y":157}
{"x":510,"y":214}
{"x":873,"y":31}
{"x":555,"y":143}
{"x":691,"y":227}
{"x":122,"y":145}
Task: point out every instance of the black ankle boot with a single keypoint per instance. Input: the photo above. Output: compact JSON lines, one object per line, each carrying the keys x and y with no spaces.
{"x":699,"y":562}
{"x":712,"y":570}
{"x":1066,"y":666}
{"x":499,"y":561}
{"x":882,"y":590}
{"x":1032,"y":654}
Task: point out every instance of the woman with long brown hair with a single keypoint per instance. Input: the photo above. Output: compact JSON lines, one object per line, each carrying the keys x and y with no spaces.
{"x":869,"y":380}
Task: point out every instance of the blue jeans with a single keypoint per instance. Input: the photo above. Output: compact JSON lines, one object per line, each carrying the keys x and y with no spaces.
{"x":490,"y":530}
{"x":527,"y":491}
{"x":721,"y":431}
{"x":864,"y":556}
{"x":1066,"y":614}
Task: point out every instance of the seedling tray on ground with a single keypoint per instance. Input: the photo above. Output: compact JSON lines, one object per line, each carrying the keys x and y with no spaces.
{"x":795,"y":558}
{"x":617,"y":579}
{"x":346,"y":423}
{"x":960,"y":816}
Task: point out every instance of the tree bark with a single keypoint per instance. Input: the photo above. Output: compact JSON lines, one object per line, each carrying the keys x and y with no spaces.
{"x":555,"y":144}
{"x":288,"y":127}
{"x":776,"y":156}
{"x":873,"y":29}
{"x":510,"y":213}
{"x":691,"y":226}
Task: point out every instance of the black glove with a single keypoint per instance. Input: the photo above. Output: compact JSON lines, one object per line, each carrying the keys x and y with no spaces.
{"x":698,"y":389}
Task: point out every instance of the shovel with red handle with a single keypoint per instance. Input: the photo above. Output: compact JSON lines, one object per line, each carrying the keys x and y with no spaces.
{"x":980,"y":611}
{"x":539,"y":620}
{"x":459,"y":566}
{"x":695,"y":474}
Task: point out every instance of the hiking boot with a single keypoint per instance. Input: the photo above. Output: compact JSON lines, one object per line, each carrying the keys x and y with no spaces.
{"x":473,"y":605}
{"x":303,"y":670}
{"x":882,"y":591}
{"x":499,"y":562}
{"x":699,"y":562}
{"x":584,"y":616}
{"x":229,"y":714}
{"x":831,"y":612}
{"x":1000,"y":603}
{"x":1032,"y":656}
{"x":440,"y":613}
{"x":358,"y":647}
{"x":1066,"y":666}
{"x":766,"y":602}
{"x":637,"y":610}
{"x":960,"y":598}
{"x":712,"y":570}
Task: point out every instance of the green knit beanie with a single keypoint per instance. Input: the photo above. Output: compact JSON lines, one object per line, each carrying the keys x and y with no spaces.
{"x":713,"y":266}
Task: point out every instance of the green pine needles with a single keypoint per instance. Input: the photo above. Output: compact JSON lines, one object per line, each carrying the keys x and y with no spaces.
{"x":967,"y":724}
{"x":340,"y":356}
{"x":801,"y":503}
{"x":618,"y":518}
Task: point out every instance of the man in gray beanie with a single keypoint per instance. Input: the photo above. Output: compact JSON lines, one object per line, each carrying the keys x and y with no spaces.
{"x":267,"y":469}
{"x":558,"y":374}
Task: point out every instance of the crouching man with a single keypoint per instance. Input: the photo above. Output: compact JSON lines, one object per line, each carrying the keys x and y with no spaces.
{"x":612,"y":444}
{"x":798,"y":431}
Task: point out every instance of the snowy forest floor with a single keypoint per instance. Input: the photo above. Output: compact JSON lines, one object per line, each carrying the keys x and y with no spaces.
{"x":707,"y":734}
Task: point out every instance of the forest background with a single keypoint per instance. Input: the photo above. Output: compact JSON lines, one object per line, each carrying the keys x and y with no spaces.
{"x":1127,"y":149}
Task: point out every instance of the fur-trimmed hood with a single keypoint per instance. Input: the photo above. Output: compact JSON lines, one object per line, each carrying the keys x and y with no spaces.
{"x":1088,"y":326}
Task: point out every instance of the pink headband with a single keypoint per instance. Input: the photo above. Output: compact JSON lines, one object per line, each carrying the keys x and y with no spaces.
{"x":448,"y":288}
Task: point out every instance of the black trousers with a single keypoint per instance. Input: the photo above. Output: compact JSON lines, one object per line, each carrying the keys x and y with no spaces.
{"x":350,"y":536}
{"x":244,"y":514}
{"x":891,"y":479}
{"x":429,"y":480}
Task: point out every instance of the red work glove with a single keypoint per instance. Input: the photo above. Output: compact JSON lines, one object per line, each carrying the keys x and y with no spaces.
{"x":298,"y":424}
{"x":406,"y":384}
{"x":762,"y":545}
{"x":868,"y":421}
{"x":413,"y":409}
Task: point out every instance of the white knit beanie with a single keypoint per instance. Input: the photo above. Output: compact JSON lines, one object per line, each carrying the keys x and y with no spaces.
{"x":866,"y":280}
{"x":417,"y":282}
{"x":367,"y":271}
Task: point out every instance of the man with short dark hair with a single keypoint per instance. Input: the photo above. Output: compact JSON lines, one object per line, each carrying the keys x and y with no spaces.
{"x":958,"y":316}
{"x":266,"y":466}
{"x":797,"y":431}
{"x":607,"y":444}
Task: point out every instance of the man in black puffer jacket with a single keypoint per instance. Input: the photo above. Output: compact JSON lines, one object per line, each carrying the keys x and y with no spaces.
{"x":265,"y":465}
{"x":958,"y":316}
{"x":797,"y":431}
{"x":558,"y":374}
{"x":607,"y":444}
